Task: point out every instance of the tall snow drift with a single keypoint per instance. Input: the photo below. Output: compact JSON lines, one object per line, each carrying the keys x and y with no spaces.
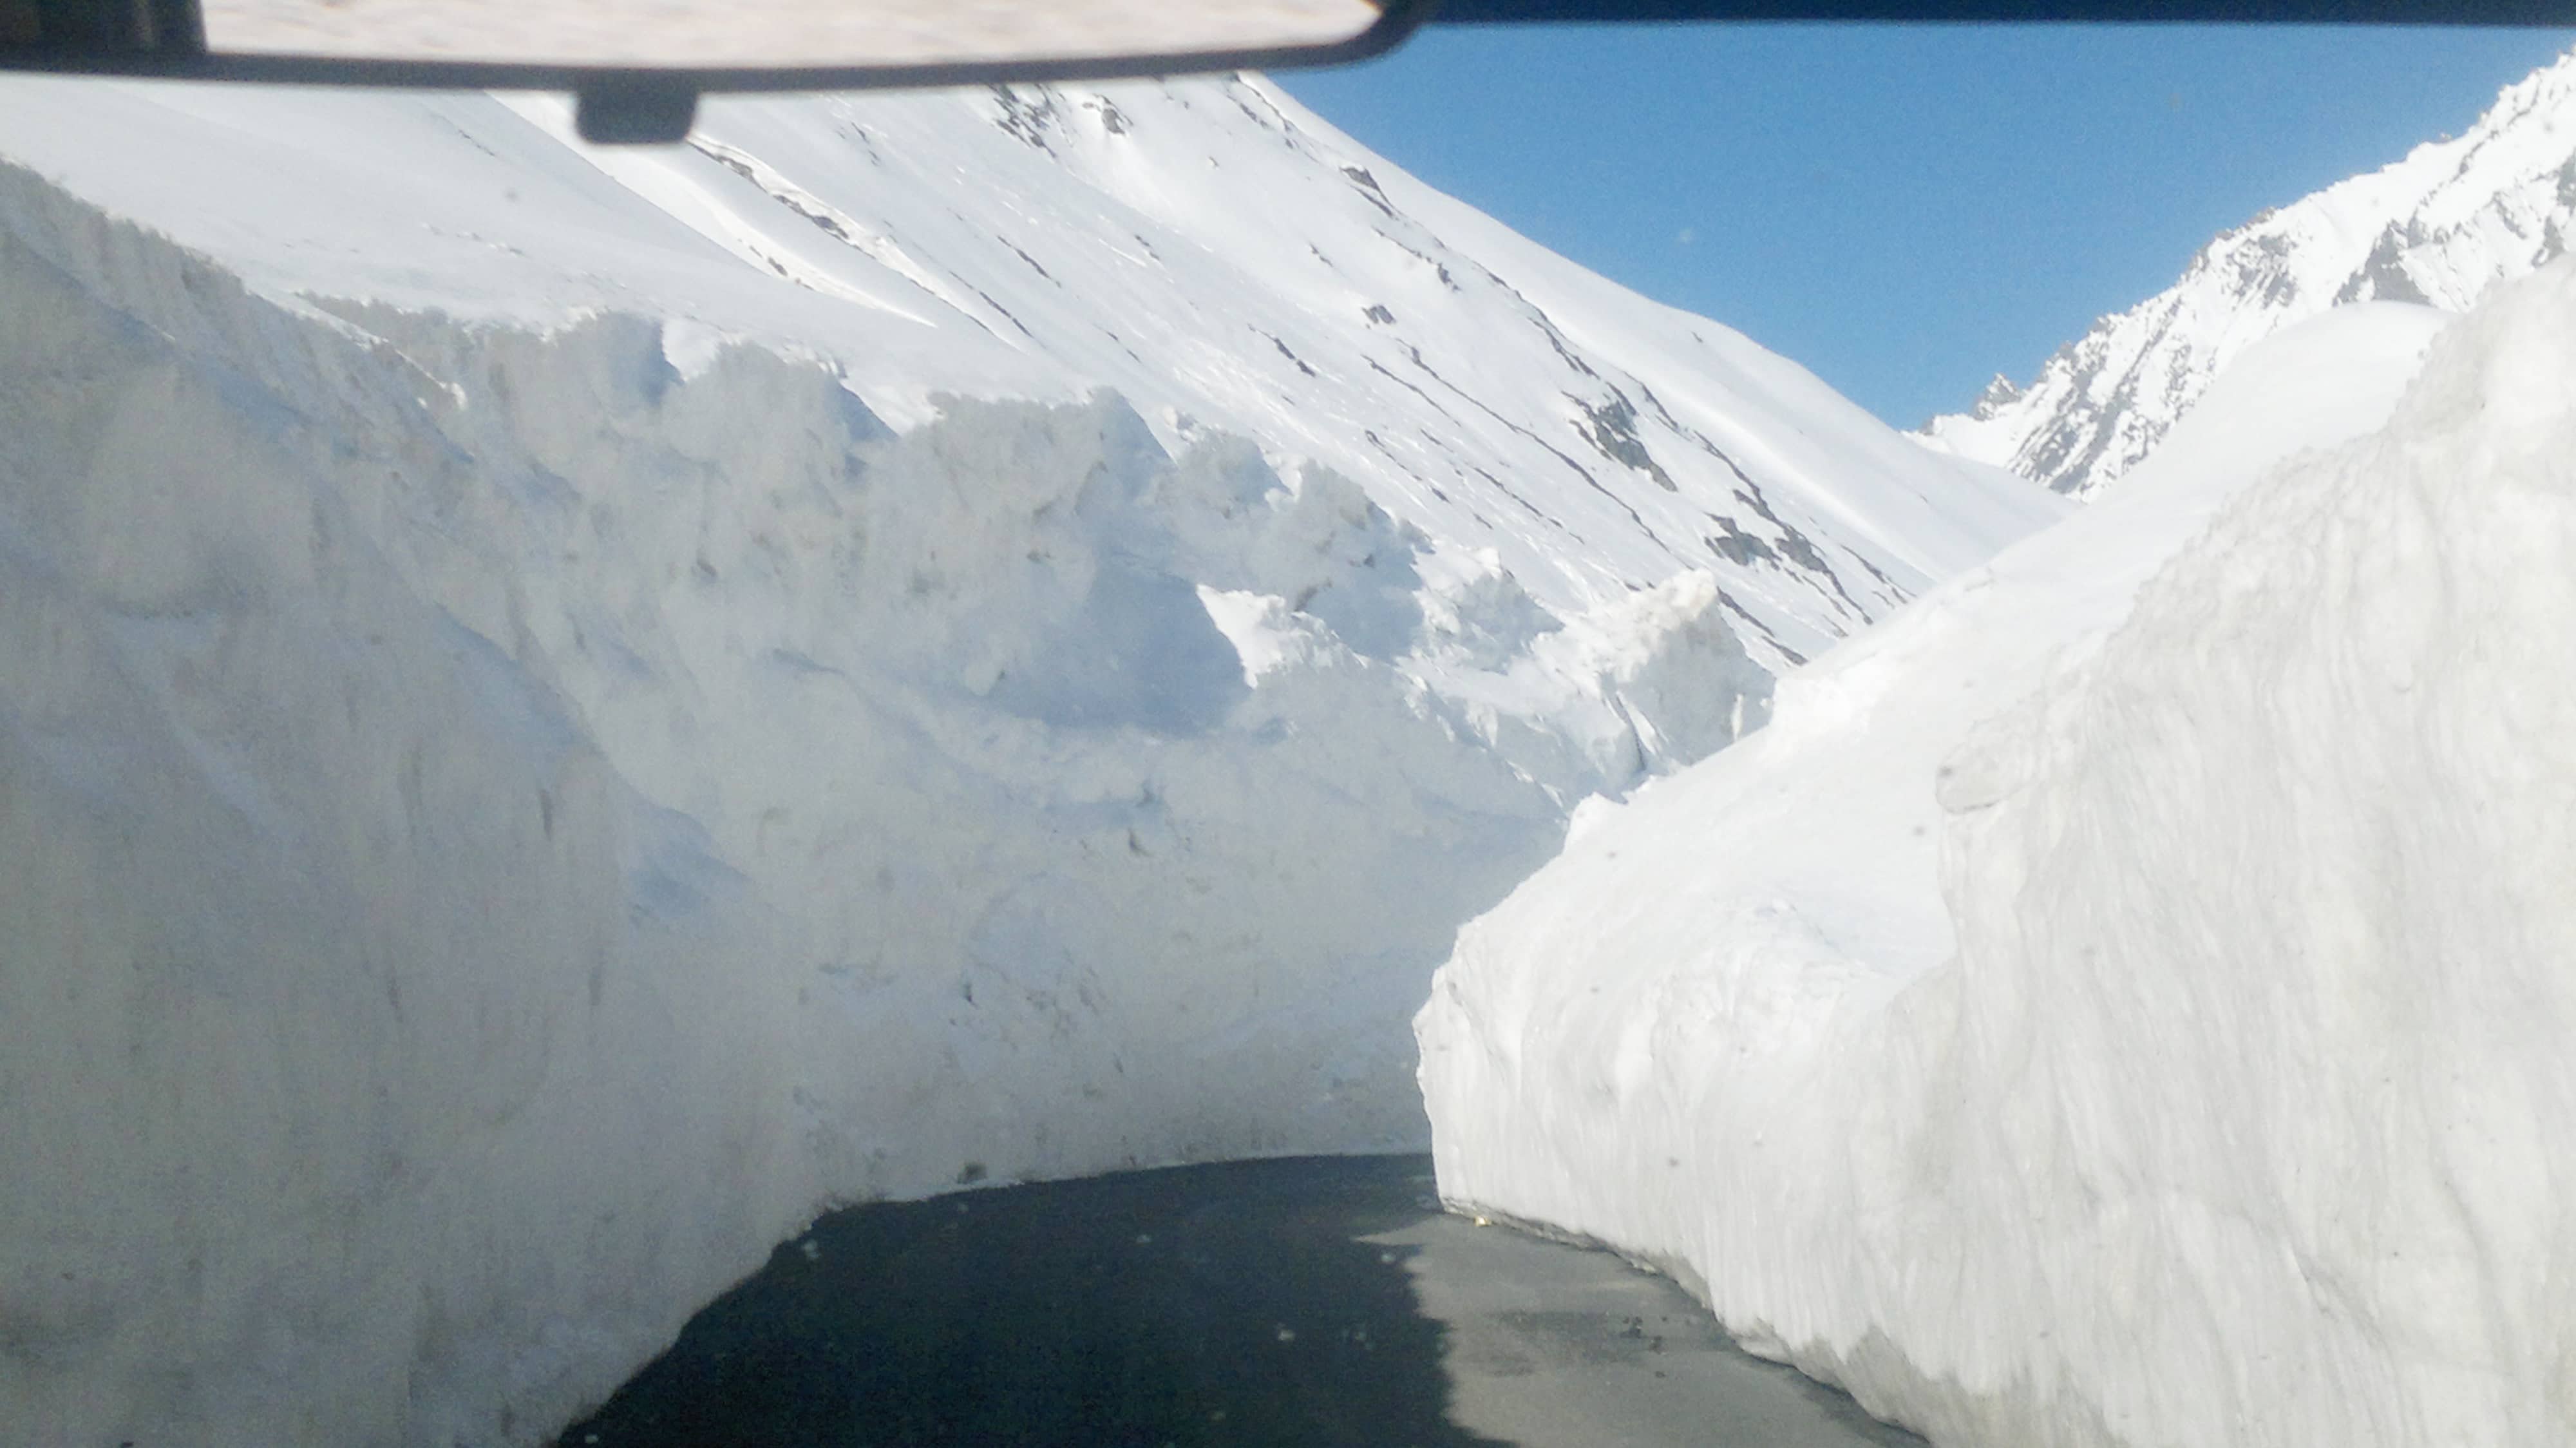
{"x":561,"y":712}
{"x":2105,"y":1014}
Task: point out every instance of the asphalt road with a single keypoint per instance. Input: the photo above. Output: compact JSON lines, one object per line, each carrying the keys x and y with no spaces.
{"x":1318,"y":1301}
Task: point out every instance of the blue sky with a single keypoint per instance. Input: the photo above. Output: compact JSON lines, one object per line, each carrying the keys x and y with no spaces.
{"x":1905,"y":210}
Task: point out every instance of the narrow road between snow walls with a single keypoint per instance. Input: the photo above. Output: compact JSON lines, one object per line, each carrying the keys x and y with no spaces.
{"x":1325,"y":1302}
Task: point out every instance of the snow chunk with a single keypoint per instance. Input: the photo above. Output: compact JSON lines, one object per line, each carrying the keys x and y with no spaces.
{"x":1259,"y":626}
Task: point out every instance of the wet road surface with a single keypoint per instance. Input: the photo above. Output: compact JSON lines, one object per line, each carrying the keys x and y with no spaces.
{"x":1315,"y":1301}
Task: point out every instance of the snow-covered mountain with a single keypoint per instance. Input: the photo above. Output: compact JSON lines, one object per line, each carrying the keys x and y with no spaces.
{"x":561,"y":710}
{"x":1218,"y":256}
{"x":2441,"y":226}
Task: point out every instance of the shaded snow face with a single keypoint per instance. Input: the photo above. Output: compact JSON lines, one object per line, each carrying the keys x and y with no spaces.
{"x":498,"y":825}
{"x":2145,"y":1027}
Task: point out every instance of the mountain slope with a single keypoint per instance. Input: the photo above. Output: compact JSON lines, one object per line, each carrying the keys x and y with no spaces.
{"x":1211,"y":251}
{"x":2440,"y":227}
{"x":561,"y":711}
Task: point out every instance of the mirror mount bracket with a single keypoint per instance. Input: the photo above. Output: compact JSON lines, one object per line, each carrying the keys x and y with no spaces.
{"x":635,"y":108}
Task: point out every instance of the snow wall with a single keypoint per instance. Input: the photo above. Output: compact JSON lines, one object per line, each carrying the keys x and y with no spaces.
{"x":2209,"y":1084}
{"x":498,"y":827}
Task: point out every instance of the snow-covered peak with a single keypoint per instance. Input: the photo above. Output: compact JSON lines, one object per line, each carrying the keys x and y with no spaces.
{"x":2438,"y":227}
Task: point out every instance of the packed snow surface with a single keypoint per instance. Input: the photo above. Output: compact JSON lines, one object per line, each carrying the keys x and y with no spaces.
{"x":2123,"y":999}
{"x":561,"y":711}
{"x":2439,"y":227}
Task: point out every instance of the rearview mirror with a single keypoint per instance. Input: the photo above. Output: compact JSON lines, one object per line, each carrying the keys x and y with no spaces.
{"x":774,"y":34}
{"x":638,"y":65}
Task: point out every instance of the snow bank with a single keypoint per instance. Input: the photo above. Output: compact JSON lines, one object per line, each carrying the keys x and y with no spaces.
{"x":2119,"y":1014}
{"x":496,"y":829}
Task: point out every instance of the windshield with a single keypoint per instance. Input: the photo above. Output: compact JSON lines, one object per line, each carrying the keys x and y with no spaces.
{"x":1908,"y":675}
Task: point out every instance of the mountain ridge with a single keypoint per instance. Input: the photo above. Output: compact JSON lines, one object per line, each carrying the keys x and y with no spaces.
{"x":2438,"y":226}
